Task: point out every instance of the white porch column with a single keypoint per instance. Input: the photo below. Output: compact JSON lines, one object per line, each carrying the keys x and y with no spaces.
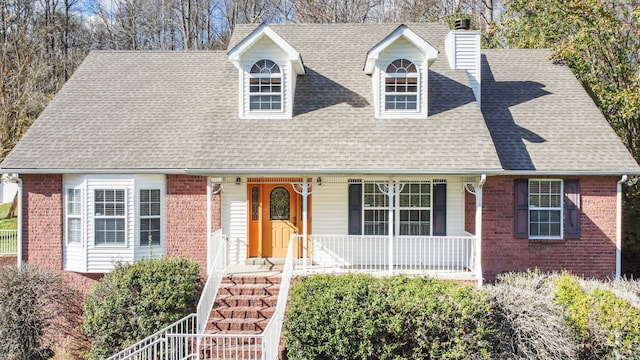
{"x":305,"y":225}
{"x":478,"y":191}
{"x":304,"y":192}
{"x":214,"y":187}
{"x":392,"y":189}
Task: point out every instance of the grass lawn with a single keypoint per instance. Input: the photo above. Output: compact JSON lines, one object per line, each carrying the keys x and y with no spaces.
{"x":7,"y":244}
{"x":7,"y":224}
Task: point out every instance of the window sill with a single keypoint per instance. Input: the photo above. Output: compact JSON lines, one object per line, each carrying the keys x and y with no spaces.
{"x":547,"y":240}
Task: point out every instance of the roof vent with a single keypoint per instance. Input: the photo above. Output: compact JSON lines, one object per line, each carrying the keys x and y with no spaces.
{"x":462,"y":24}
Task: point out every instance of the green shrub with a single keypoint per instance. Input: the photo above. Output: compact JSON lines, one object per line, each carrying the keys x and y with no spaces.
{"x":137,"y":300}
{"x":35,"y":306}
{"x":362,"y":317}
{"x":606,"y":326}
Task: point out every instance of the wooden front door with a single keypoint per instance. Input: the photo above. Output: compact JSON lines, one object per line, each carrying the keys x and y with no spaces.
{"x":274,"y":218}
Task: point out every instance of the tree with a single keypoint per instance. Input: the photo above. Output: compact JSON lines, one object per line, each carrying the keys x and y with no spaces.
{"x":33,"y":303}
{"x":600,"y":41}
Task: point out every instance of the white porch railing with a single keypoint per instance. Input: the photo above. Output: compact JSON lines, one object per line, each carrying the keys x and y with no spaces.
{"x":410,"y":253}
{"x":8,"y":242}
{"x":231,"y":346}
{"x":217,"y":264}
{"x":156,"y":346}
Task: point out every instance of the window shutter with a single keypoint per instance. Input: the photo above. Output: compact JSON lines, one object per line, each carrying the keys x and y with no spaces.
{"x":521,"y":192}
{"x":440,"y":209}
{"x":355,"y":209}
{"x":572,"y":209}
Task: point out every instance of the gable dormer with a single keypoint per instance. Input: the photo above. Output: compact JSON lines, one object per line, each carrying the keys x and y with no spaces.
{"x":399,"y":69}
{"x":267,"y":67}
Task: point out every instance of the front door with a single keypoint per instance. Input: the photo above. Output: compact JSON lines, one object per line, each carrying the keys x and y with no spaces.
{"x":274,"y":218}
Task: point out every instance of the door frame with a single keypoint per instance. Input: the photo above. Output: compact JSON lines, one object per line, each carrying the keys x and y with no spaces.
{"x":257,"y":207}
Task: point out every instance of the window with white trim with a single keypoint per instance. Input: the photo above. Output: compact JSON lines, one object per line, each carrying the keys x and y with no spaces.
{"x":415,"y":209}
{"x":401,"y":86}
{"x":74,"y":216}
{"x":375,"y":210}
{"x":545,"y":209}
{"x":265,"y":86}
{"x":109,"y":217}
{"x":149,"y":204}
{"x":412,"y":207}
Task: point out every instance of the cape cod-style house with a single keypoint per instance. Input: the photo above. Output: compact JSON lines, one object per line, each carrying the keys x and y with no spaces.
{"x":371,"y":146}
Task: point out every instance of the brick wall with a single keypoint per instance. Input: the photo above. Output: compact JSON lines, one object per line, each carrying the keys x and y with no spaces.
{"x":593,"y":255}
{"x":187,"y":218}
{"x":7,"y":260}
{"x":43,"y":228}
{"x":42,"y":231}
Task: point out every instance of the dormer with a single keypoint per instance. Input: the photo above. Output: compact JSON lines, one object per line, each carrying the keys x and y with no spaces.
{"x":267,"y":67}
{"x":399,"y":69}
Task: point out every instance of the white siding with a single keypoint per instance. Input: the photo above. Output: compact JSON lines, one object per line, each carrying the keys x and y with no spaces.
{"x":463,"y":52}
{"x":330,"y":205}
{"x":330,"y":209}
{"x":402,"y":49}
{"x":89,"y":257}
{"x":267,"y":49}
{"x":234,"y":221}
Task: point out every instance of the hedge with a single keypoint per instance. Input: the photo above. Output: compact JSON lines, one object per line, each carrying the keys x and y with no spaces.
{"x":363,"y":317}
{"x":136,"y":300}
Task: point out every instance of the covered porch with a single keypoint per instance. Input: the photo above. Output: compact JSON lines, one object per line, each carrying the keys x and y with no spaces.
{"x":379,"y":224}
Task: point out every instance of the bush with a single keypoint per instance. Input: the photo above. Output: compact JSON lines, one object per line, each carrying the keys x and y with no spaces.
{"x":135,"y":301}
{"x":34,"y":306}
{"x":362,"y":317}
{"x":529,"y":323}
{"x":606,"y":326}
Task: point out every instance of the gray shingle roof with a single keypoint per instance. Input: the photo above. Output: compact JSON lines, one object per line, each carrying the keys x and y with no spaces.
{"x":540,"y":117}
{"x":179,"y":110}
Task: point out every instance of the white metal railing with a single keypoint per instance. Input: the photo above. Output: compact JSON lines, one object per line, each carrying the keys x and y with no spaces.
{"x":8,"y":242}
{"x":272,"y":332}
{"x":410,"y":253}
{"x":156,"y":346}
{"x":239,"y":346}
{"x":217,"y":264}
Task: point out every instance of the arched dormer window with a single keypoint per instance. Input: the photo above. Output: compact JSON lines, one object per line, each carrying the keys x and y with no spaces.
{"x":265,"y":86}
{"x":401,"y":86}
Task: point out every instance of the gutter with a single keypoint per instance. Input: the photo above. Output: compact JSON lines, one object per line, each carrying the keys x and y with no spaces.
{"x":619,"y":226}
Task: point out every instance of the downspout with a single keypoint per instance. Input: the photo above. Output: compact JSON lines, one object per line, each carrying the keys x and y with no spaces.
{"x":483,"y":179}
{"x":619,"y":227}
{"x":209,"y":212}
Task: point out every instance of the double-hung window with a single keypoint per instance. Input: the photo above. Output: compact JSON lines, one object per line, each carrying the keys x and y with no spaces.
{"x":265,"y":86}
{"x":375,"y":210}
{"x":545,"y":209}
{"x":109,"y":217}
{"x":149,"y":217}
{"x":415,"y":209}
{"x":401,"y":86}
{"x":74,"y":216}
{"x":412,"y":209}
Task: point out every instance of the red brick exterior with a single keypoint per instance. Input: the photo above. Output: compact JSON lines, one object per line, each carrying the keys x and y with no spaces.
{"x":43,"y":227}
{"x":42,"y":231}
{"x":9,"y":260}
{"x":593,"y":255}
{"x":186,"y":204}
